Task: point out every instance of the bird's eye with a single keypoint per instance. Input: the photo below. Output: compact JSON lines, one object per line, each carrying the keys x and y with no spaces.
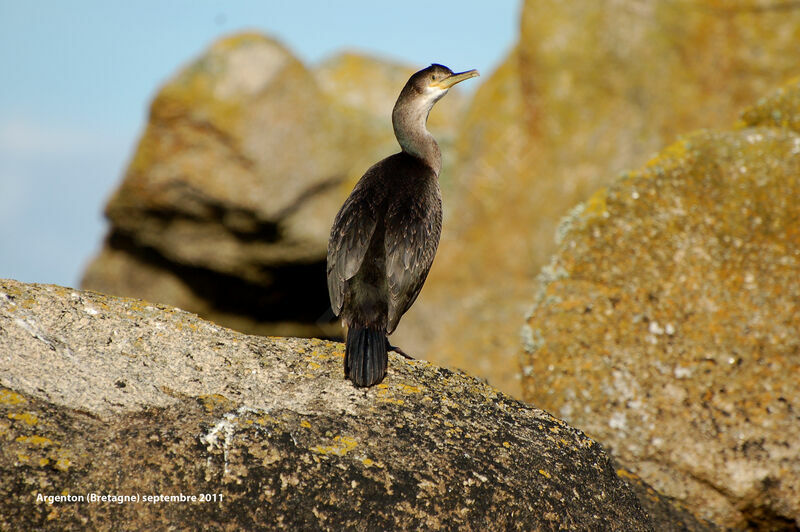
{"x":433,"y":77}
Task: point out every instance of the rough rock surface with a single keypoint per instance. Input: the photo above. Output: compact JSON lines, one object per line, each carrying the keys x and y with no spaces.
{"x":120,"y":397}
{"x":592,"y":89}
{"x":226,"y":207}
{"x":668,"y":324}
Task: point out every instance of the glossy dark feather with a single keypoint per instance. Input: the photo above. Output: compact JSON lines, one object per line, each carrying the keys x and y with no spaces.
{"x":351,"y":233}
{"x":413,"y":228}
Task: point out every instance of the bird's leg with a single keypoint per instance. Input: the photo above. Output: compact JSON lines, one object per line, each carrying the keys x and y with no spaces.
{"x":390,"y":347}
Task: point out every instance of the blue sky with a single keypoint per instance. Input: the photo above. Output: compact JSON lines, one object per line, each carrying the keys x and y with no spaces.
{"x":78,"y":77}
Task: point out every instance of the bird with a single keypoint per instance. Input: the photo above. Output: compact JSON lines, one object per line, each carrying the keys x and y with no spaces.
{"x":385,"y":236}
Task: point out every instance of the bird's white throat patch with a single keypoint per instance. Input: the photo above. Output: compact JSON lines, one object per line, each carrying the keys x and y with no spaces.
{"x":433,"y":95}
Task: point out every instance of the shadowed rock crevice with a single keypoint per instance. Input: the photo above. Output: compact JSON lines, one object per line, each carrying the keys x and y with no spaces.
{"x":291,"y":293}
{"x":203,"y":215}
{"x":206,"y":213}
{"x":760,"y":517}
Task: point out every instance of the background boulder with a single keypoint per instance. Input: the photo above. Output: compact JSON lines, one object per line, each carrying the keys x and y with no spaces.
{"x":668,"y":324}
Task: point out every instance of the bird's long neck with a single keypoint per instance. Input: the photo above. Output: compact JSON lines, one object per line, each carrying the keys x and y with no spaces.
{"x":409,"y":119}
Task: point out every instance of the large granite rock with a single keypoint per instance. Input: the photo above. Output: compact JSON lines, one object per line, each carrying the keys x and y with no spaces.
{"x":226,"y":207}
{"x":668,"y":324}
{"x":592,"y":89}
{"x":118,"y":397}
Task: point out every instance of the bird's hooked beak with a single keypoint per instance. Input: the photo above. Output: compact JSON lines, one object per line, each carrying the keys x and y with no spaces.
{"x":452,"y":79}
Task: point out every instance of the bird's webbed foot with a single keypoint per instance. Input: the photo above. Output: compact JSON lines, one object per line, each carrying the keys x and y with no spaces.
{"x":397,"y":350}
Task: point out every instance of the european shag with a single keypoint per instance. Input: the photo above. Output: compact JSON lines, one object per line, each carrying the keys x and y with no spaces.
{"x":385,"y":236}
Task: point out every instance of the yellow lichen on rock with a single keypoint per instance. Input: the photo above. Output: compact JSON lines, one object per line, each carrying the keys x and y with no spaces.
{"x":28,"y":418}
{"x":340,"y":446}
{"x":38,"y":441}
{"x":9,"y":397}
{"x":215,"y":402}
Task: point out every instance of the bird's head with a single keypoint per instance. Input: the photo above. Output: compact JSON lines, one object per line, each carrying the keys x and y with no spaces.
{"x":430,"y":84}
{"x":416,"y":100}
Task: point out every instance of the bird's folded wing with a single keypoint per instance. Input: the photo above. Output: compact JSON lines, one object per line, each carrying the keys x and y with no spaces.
{"x":350,"y":235}
{"x":412,"y":236}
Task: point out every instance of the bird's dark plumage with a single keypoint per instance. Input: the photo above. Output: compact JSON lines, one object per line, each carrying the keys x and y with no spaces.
{"x":385,"y":236}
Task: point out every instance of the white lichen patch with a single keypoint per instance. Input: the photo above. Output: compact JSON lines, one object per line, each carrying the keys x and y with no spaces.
{"x":480,"y":477}
{"x":618,"y":421}
{"x":566,"y":223}
{"x":32,"y":328}
{"x":221,"y":435}
{"x":532,"y":339}
{"x":682,"y":372}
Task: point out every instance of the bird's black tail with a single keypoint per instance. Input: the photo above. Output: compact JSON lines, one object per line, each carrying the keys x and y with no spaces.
{"x":365,"y":356}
